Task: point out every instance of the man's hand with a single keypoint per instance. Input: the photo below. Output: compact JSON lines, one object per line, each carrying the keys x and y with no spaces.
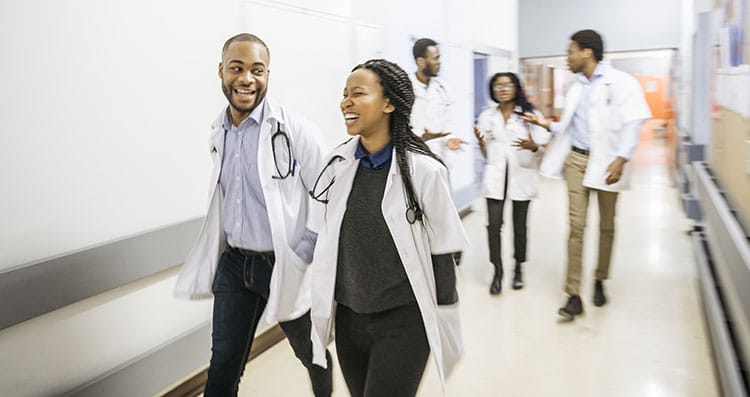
{"x":455,"y":143}
{"x":614,"y":170}
{"x":432,"y":135}
{"x":532,"y":118}
{"x":527,"y":144}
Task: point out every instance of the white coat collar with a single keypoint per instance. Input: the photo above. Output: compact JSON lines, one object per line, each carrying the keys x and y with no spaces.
{"x":272,"y":112}
{"x":348,"y":148}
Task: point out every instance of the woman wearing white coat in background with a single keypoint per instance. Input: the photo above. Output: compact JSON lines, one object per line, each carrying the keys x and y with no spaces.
{"x":511,"y":147}
{"x":383,"y":272}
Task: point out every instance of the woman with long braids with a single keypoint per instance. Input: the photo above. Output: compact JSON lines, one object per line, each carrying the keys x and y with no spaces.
{"x":511,"y":147}
{"x":383,"y":275}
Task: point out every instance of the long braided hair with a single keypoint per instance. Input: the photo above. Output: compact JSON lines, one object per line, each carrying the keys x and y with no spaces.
{"x":398,"y":89}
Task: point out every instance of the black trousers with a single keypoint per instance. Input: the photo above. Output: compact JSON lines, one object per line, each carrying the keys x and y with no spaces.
{"x":495,"y":217}
{"x":241,"y":288}
{"x":382,"y":354}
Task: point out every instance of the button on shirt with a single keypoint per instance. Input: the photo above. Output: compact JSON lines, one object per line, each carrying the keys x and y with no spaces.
{"x":246,"y":221}
{"x":579,"y":125}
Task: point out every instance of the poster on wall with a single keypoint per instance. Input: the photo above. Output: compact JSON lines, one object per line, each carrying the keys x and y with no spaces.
{"x":732,"y":32}
{"x":731,"y":79}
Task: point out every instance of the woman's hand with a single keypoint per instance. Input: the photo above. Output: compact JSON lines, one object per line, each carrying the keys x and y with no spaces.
{"x":480,"y":139}
{"x":527,"y":144}
{"x":479,"y":135}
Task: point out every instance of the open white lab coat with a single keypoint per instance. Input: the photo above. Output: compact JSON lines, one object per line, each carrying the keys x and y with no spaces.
{"x":616,"y":99}
{"x":522,"y":165}
{"x":440,"y":233}
{"x":287,"y":202}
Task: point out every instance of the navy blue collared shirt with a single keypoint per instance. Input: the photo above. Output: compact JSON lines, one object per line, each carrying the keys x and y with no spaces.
{"x":376,"y":160}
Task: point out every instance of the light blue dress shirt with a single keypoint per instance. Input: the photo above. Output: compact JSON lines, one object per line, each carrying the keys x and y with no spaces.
{"x":246,"y":221}
{"x":579,"y":125}
{"x":244,"y":209}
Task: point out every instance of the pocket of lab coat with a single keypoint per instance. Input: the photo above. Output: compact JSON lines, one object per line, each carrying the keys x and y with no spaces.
{"x":449,"y":328}
{"x":526,"y":159}
{"x":494,"y":179}
{"x":526,"y":183}
{"x":298,"y":262}
{"x":291,"y":283}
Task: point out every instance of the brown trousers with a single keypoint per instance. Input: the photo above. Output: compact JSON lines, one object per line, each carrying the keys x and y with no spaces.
{"x":578,"y":203}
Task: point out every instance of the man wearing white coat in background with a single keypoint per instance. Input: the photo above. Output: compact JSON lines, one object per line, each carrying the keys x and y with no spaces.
{"x":431,"y":115}
{"x":253,"y":249}
{"x":596,"y":136}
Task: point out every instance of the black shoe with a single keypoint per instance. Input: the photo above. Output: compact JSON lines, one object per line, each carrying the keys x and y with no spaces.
{"x":497,"y":281}
{"x":571,"y":309}
{"x":599,"y":298}
{"x":518,"y":278}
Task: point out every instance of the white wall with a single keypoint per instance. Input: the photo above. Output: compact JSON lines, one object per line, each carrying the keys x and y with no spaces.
{"x":690,"y":8}
{"x":105,"y":114}
{"x":546,"y":25}
{"x":105,"y":107}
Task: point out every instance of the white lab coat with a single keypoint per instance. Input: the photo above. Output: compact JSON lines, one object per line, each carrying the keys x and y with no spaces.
{"x":441,"y":233}
{"x":432,"y":110}
{"x":287,"y":202}
{"x":522,"y":165}
{"x":616,"y":99}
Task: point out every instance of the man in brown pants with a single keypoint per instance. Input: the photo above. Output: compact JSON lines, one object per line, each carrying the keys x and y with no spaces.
{"x":594,"y":140}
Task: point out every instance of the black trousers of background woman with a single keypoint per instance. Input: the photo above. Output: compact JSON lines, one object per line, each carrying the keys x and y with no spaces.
{"x":495,"y":225}
{"x":495,"y":215}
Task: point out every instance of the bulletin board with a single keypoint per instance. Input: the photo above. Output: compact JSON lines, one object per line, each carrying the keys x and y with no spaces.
{"x":729,"y":151}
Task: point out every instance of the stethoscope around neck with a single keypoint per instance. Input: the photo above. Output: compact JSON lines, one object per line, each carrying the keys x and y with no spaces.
{"x":413,"y":212}
{"x":291,"y":164}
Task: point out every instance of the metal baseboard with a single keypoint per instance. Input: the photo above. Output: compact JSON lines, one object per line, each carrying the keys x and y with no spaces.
{"x":34,"y":289}
{"x":723,"y":256}
{"x":728,"y":367}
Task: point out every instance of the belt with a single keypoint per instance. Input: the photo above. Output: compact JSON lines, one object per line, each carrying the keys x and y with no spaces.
{"x":584,"y":152}
{"x":245,"y":252}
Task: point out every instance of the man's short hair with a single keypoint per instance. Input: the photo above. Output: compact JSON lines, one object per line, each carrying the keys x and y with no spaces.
{"x":244,"y":37}
{"x":589,"y":39}
{"x":420,"y":47}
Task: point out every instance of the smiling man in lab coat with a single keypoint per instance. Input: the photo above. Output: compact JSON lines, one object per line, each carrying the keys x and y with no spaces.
{"x":594,"y":140}
{"x":253,"y":250}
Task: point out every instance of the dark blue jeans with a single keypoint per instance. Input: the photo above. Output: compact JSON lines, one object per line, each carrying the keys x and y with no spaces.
{"x":241,"y":288}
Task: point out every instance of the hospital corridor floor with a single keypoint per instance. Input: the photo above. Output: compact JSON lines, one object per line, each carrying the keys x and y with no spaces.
{"x":649,"y":340}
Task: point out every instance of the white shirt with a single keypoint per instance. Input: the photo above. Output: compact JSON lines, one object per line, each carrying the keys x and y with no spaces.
{"x":616,"y":108}
{"x":431,"y":108}
{"x":503,"y":159}
{"x":580,"y":123}
{"x":287,"y":206}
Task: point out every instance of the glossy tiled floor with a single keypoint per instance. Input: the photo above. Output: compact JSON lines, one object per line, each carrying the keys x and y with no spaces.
{"x":648,"y":341}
